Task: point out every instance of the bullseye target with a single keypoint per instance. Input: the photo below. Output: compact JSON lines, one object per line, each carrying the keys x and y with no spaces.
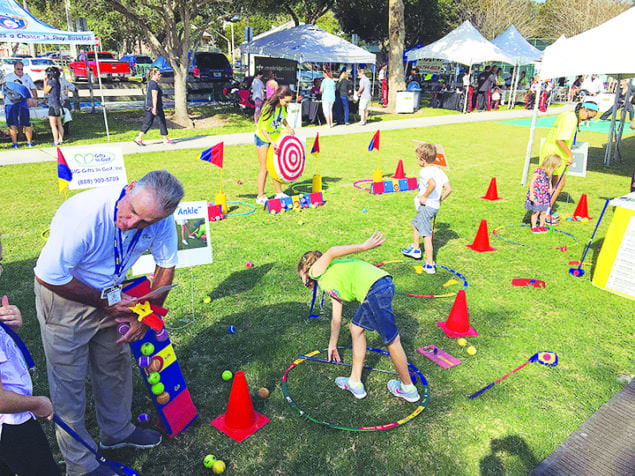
{"x":288,"y":164}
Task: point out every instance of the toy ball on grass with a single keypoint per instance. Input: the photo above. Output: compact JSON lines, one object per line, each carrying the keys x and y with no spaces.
{"x":585,"y":220}
{"x":209,"y":461}
{"x":364,"y":210}
{"x":249,"y":264}
{"x":231,"y":329}
{"x":471,"y":350}
{"x":227,"y":375}
{"x":263,"y":392}
{"x":144,"y":418}
{"x":207,"y":300}
{"x":462,"y":342}
{"x":218,"y":467}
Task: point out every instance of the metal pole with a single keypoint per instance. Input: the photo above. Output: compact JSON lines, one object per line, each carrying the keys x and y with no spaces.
{"x":609,"y":145}
{"x":532,"y":132}
{"x":103,"y":103}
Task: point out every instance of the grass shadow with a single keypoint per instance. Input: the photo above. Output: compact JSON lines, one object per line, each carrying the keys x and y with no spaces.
{"x":503,"y":448}
{"x":240,"y":281}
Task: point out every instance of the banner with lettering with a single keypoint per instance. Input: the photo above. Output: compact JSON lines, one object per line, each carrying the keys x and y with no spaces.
{"x":95,"y":166}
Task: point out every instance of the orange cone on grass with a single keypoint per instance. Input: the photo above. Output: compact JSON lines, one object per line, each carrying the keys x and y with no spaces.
{"x":481,"y":242}
{"x":582,"y":210}
{"x":240,"y":420}
{"x":458,"y":323}
{"x":492,"y":193}
{"x":399,"y":173}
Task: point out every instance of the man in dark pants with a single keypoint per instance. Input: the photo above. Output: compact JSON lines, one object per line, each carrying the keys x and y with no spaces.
{"x":483,"y":84}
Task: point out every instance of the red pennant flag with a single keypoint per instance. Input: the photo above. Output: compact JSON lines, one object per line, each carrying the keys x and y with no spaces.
{"x":316,"y":145}
{"x":214,"y":155}
{"x":374,"y":142}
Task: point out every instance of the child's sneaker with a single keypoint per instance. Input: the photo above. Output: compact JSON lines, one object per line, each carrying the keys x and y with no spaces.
{"x":357,"y":391}
{"x":397,"y":390}
{"x":411,"y":252}
{"x":430,"y":268}
{"x":535,"y":230}
{"x":14,"y":146}
{"x":261,"y":200}
{"x":29,"y":144}
{"x":282,"y":195}
{"x":543,"y":229}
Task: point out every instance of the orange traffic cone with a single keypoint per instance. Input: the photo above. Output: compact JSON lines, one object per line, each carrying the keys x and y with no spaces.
{"x":492,"y":193}
{"x":481,"y":242}
{"x":240,"y":420}
{"x":582,"y":210}
{"x":399,"y":174}
{"x":458,"y":323}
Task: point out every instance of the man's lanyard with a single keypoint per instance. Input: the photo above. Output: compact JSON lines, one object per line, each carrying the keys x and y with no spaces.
{"x":122,"y":256}
{"x":20,"y":343}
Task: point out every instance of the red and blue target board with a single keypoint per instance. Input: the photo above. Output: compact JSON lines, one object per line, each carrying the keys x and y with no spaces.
{"x":161,"y":372}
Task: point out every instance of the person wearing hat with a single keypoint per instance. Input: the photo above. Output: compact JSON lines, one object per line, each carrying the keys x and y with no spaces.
{"x":559,"y":141}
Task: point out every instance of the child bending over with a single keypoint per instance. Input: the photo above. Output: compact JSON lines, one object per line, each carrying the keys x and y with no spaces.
{"x":349,"y":280}
{"x":434,"y":187}
{"x":539,"y":194}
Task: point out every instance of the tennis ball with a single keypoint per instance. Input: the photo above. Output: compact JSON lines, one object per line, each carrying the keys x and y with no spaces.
{"x":154,"y":378}
{"x":147,"y":349}
{"x":144,"y":418}
{"x":249,"y":264}
{"x":227,"y":375}
{"x":123,"y":328}
{"x":462,"y":342}
{"x":471,"y":350}
{"x":585,"y":220}
{"x":209,"y":461}
{"x":163,"y":335}
{"x":157,"y":388}
{"x":231,"y":329}
{"x":263,"y":392}
{"x":218,"y":467}
{"x":144,"y":361}
{"x":207,"y":300}
{"x":364,"y":210}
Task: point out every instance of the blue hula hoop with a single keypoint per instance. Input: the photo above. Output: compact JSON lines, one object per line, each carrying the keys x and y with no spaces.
{"x":253,"y":209}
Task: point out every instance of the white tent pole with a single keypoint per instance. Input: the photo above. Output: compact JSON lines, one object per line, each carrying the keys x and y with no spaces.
{"x":532,"y":131}
{"x":511,"y":100}
{"x":467,"y":90}
{"x":101,"y":92}
{"x":609,"y":145}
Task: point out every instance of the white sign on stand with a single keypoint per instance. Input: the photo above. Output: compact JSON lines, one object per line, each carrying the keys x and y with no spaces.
{"x":580,"y":156}
{"x":95,"y":167}
{"x":193,"y":240}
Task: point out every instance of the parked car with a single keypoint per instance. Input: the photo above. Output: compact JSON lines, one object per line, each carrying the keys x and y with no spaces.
{"x":139,"y":64}
{"x":109,"y":67}
{"x":206,"y":67}
{"x":34,"y":67}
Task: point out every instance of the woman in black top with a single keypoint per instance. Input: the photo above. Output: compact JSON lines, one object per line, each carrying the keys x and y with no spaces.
{"x":54,"y":91}
{"x":344,"y":88}
{"x":153,"y":108}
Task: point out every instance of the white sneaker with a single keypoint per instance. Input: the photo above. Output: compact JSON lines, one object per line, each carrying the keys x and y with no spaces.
{"x":261,"y":200}
{"x":282,"y":195}
{"x":358,"y":391}
{"x":430,"y":268}
{"x":184,"y":242}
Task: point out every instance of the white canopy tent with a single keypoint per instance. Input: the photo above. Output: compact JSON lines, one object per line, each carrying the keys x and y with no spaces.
{"x":463,"y":45}
{"x":308,"y":43}
{"x":598,"y":50}
{"x":18,"y":26}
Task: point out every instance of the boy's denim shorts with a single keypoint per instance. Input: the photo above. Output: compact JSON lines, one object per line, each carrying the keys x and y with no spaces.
{"x":423,"y":220}
{"x":259,"y":142}
{"x":375,"y":313}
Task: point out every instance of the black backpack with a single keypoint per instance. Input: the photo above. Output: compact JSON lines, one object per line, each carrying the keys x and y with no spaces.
{"x":12,"y":96}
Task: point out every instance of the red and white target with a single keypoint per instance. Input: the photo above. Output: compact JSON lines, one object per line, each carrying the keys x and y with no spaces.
{"x":288,"y":164}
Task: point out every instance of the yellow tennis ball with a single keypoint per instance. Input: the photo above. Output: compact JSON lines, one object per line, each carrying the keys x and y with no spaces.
{"x":209,"y":461}
{"x":207,"y":300}
{"x":462,"y":342}
{"x":471,"y":350}
{"x":219,"y":467}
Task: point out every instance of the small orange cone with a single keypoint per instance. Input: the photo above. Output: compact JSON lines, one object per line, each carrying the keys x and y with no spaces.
{"x":240,"y":420}
{"x":492,"y":193}
{"x":399,"y":174}
{"x":458,"y":323}
{"x":582,"y":210}
{"x":481,"y":242}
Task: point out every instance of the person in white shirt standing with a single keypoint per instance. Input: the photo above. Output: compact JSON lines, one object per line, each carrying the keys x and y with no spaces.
{"x":17,"y":114}
{"x":364,"y":96}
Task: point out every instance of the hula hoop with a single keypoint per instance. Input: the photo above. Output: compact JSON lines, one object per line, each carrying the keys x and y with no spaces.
{"x":459,"y":275}
{"x":560,"y":248}
{"x":356,"y":184}
{"x":328,"y":188}
{"x":45,"y":233}
{"x":253,"y":209}
{"x":425,"y":397}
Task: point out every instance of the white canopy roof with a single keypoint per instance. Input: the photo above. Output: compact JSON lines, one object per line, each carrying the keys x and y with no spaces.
{"x":603,"y":49}
{"x":514,"y":45}
{"x":464,"y":45}
{"x":308,"y":43}
{"x":19,"y":26}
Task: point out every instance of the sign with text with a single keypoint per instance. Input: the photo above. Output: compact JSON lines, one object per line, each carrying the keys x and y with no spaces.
{"x":580,"y":156}
{"x":430,"y":65}
{"x":286,"y":71}
{"x":193,"y":240}
{"x":95,"y":167}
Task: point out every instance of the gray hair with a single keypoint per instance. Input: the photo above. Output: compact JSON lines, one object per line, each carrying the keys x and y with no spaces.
{"x":166,"y":188}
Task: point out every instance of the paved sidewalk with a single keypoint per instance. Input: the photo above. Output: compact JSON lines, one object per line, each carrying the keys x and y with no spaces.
{"x":26,"y":155}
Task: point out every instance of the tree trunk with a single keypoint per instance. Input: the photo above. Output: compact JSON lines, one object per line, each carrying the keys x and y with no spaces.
{"x":180,"y":95}
{"x":397,"y":32}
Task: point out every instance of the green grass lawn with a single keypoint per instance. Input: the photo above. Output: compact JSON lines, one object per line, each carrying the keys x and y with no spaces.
{"x":507,"y":430}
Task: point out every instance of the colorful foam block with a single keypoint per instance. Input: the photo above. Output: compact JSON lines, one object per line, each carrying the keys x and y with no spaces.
{"x":215,"y":212}
{"x":305,"y":200}
{"x":395,"y":185}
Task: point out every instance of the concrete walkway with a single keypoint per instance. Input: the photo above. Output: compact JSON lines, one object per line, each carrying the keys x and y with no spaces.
{"x":25,"y":155}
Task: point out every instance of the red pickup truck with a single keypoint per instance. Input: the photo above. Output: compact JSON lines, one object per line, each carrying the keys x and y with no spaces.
{"x":109,"y":67}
